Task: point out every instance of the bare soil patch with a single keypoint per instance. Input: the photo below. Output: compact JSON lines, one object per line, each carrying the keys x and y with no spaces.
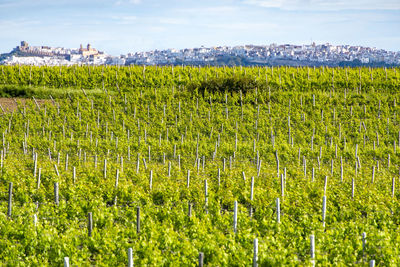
{"x":10,"y":104}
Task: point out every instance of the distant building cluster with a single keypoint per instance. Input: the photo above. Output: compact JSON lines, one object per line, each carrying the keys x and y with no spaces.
{"x":323,"y":53}
{"x":273,"y":54}
{"x":45,"y":55}
{"x":41,"y":51}
{"x":89,"y":51}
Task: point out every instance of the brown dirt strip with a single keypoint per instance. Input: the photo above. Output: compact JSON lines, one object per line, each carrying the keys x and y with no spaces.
{"x":10,"y":105}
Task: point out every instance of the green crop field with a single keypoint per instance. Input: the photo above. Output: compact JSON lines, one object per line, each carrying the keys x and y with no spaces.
{"x":185,"y":166}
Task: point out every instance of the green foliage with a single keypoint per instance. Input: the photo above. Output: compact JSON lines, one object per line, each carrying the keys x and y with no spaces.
{"x":310,"y":123}
{"x":16,"y":91}
{"x":116,"y":78}
{"x":235,"y":84}
{"x":23,"y":91}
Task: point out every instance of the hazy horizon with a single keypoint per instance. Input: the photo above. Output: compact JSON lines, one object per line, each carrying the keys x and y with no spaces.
{"x":128,"y":26}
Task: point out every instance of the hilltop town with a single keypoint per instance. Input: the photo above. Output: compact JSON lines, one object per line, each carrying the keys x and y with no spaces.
{"x":273,"y":54}
{"x":54,"y":56}
{"x":287,"y":54}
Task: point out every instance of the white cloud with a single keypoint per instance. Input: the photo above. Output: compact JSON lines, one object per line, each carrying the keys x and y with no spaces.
{"x":243,"y":26}
{"x":125,"y":20}
{"x":327,"y":5}
{"x":216,"y":10}
{"x":18,"y":23}
{"x":157,"y":29}
{"x":174,"y":21}
{"x":134,"y":2}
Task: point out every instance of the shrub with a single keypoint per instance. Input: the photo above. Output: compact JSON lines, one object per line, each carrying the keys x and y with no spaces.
{"x":231,"y":84}
{"x":15,"y":91}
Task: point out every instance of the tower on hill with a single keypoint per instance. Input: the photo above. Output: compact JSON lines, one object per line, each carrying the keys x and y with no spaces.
{"x":88,"y":51}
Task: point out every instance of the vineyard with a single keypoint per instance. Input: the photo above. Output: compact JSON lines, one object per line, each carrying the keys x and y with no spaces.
{"x":190,"y":166}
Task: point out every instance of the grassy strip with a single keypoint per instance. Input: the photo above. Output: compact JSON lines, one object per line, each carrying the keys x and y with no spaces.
{"x":22,"y":91}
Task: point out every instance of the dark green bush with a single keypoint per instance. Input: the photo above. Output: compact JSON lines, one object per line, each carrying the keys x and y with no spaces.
{"x":15,"y":91}
{"x":231,"y":84}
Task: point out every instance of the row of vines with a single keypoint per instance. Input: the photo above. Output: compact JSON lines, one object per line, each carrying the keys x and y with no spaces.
{"x":302,"y":171}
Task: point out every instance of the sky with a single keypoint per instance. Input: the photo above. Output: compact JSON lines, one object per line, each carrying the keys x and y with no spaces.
{"x":127,"y":26}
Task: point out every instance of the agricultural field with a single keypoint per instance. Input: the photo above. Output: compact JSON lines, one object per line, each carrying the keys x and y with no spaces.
{"x":189,"y":166}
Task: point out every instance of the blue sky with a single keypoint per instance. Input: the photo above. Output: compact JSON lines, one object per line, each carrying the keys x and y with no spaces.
{"x":122,"y":26}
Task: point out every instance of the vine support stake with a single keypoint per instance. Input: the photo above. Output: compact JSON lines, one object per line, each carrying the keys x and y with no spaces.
{"x":189,"y":209}
{"x":74,"y":175}
{"x":393,"y":187}
{"x":201,"y":259}
{"x":90,"y":224}
{"x":235,"y":207}
{"x":151,"y":180}
{"x":278,"y":211}
{"x":251,"y":195}
{"x":130,"y":257}
{"x":364,"y":242}
{"x":35,"y":164}
{"x":323,"y":210}
{"x":105,"y":168}
{"x":38,"y":178}
{"x":312,"y":246}
{"x":36,"y":103}
{"x":373,"y":174}
{"x":10,"y":188}
{"x":206,"y":196}
{"x":255,"y":252}
{"x":56,"y":198}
